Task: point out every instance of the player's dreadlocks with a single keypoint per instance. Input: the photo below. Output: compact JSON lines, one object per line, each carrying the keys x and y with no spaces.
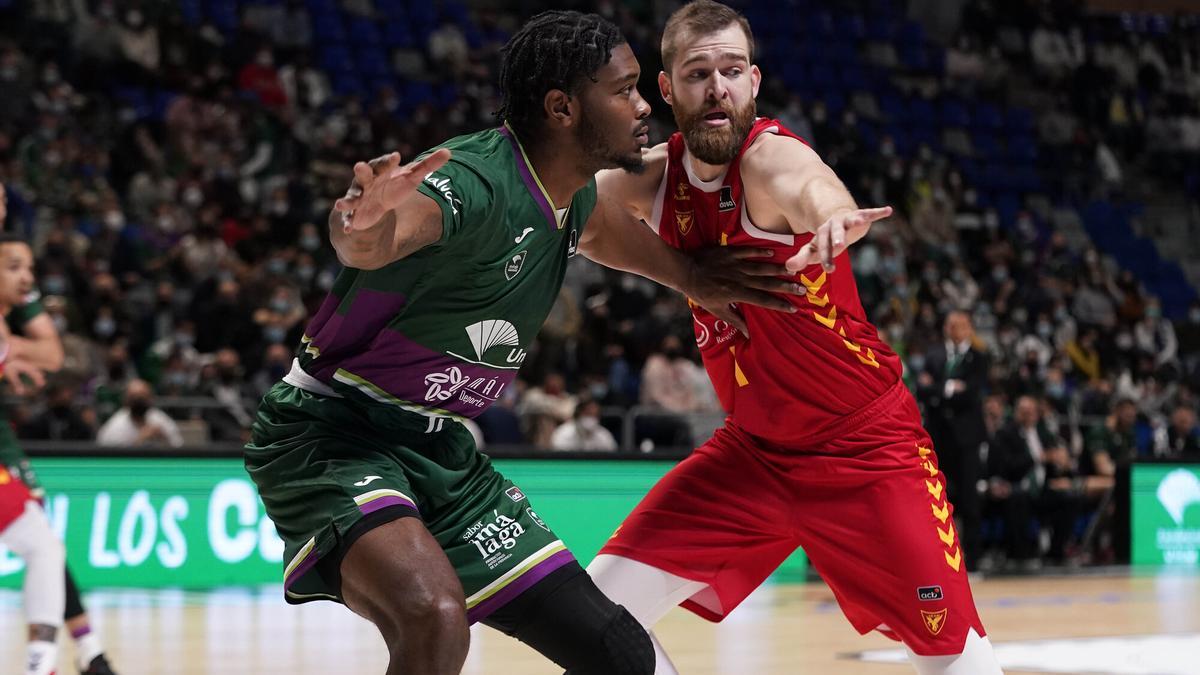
{"x":554,"y":50}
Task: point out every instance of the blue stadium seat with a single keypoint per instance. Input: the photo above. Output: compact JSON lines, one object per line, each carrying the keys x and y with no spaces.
{"x":851,"y":26}
{"x":820,"y":24}
{"x":348,"y":84}
{"x":364,"y":31}
{"x":397,"y":34}
{"x":336,"y":59}
{"x":189,"y":10}
{"x":921,"y":112}
{"x":986,"y":145}
{"x":911,"y":33}
{"x":988,"y":116}
{"x":954,"y":113}
{"x":1019,"y":121}
{"x":416,"y":93}
{"x":372,"y":61}
{"x":328,"y":28}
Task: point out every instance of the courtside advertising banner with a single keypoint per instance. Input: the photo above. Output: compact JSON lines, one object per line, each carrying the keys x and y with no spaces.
{"x":198,"y":523}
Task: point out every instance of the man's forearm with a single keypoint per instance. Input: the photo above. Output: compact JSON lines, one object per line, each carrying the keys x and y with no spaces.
{"x":45,"y":354}
{"x":824,"y":197}
{"x":624,"y":243}
{"x":362,"y":249}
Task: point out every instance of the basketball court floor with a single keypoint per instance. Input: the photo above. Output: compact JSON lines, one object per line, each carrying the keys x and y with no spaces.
{"x":1118,"y":623}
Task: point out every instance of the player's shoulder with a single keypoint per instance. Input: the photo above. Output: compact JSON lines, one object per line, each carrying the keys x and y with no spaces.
{"x":770,"y":152}
{"x":635,"y":188}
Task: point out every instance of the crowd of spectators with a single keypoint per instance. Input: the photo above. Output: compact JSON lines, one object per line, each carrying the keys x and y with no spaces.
{"x":174,"y":179}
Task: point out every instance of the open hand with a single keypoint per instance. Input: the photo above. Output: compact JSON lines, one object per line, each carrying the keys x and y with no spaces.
{"x":834,"y":236}
{"x":382,"y":186}
{"x":724,"y":275}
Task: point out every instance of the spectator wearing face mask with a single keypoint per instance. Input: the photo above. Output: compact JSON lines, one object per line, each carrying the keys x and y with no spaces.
{"x":583,"y":432}
{"x":62,"y":420}
{"x":277,"y":360}
{"x":138,"y":422}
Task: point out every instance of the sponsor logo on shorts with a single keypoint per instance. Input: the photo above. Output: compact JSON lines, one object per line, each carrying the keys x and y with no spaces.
{"x":934,"y":621}
{"x":494,"y":538}
{"x":514,"y":493}
{"x":929,"y":593}
{"x":533,"y":514}
{"x":367,"y":480}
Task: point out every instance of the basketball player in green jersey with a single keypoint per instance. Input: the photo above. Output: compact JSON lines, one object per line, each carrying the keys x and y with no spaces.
{"x":35,"y":349}
{"x":452,"y":263}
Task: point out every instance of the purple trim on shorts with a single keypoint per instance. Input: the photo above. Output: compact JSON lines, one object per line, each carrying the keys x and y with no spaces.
{"x":309,"y":561}
{"x":80,"y":632}
{"x":384,"y":502}
{"x":535,"y":190}
{"x":518,"y":586}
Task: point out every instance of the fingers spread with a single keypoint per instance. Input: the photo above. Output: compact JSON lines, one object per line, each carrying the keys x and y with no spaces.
{"x":823,"y":248}
{"x":346,"y":204}
{"x":837,"y":235}
{"x":363,"y":174}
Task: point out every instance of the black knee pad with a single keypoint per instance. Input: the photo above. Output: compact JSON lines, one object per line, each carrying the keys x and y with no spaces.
{"x":627,"y":649}
{"x":74,"y":604}
{"x":566,"y":618}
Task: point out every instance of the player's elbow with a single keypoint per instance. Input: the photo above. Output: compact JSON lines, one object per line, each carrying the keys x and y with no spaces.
{"x":358,"y":257}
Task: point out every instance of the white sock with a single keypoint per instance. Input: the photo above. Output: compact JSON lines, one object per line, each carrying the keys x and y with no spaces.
{"x":977,"y":658}
{"x":42,"y":658}
{"x":87,"y":647}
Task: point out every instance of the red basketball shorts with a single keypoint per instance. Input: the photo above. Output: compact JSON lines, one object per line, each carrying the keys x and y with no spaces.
{"x":13,"y":497}
{"x":868,"y":506}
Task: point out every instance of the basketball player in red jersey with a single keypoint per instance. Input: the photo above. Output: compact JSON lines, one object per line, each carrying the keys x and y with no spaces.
{"x":823,"y":447}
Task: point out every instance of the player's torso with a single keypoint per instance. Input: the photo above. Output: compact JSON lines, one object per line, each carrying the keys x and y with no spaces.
{"x":801,"y":372}
{"x":447,"y":328}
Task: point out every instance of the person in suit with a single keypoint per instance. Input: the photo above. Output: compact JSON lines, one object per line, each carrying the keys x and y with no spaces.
{"x":1030,"y":475}
{"x":951,"y":390}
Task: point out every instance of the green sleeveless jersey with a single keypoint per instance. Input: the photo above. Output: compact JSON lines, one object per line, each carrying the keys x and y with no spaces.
{"x":444,"y":331}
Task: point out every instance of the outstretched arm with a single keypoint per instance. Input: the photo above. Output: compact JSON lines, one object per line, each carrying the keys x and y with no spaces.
{"x":383,"y":217}
{"x":810,"y":196}
{"x":615,"y":238}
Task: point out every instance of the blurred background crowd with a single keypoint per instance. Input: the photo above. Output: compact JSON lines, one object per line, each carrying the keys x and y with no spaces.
{"x":173,"y":165}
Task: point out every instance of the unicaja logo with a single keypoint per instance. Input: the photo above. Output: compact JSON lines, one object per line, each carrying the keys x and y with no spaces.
{"x":1178,"y":490}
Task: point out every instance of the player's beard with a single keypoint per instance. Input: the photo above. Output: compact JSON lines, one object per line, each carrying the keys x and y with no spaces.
{"x":720,"y":145}
{"x":600,"y":154}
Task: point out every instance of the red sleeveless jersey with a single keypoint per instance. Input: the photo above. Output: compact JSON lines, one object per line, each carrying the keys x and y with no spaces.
{"x":800,"y":377}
